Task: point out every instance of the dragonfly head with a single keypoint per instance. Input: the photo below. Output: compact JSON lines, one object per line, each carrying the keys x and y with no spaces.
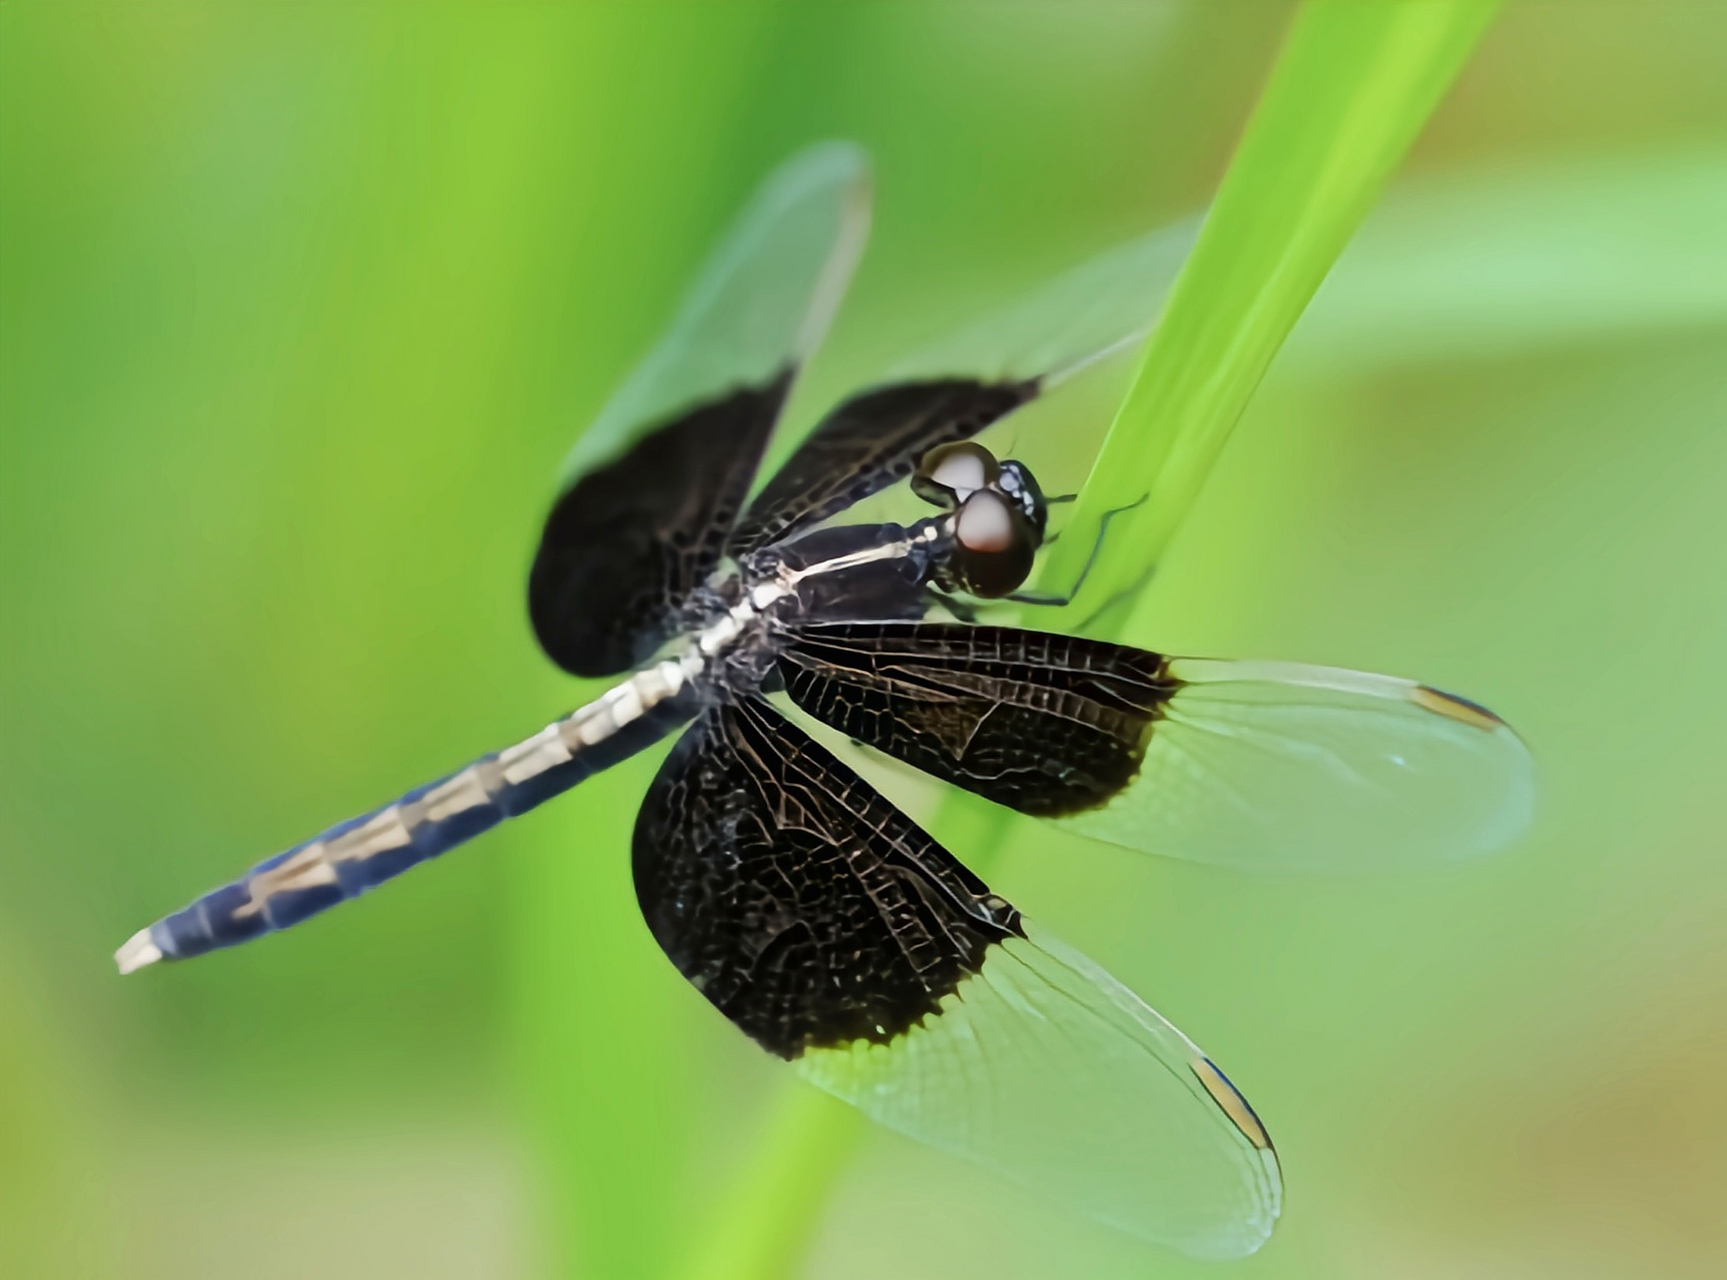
{"x":997,"y":515}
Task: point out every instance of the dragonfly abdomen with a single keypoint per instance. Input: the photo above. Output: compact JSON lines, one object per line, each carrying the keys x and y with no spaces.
{"x":361,"y":853}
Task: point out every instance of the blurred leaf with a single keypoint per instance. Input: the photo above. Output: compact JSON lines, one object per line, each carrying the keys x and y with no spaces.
{"x":1350,"y":92}
{"x":48,"y":1198}
{"x":1499,"y":261}
{"x":763,"y":1224}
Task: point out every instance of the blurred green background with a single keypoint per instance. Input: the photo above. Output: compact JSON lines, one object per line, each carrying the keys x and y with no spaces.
{"x":299,"y":310}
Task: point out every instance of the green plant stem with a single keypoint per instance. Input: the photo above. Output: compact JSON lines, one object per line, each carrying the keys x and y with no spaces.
{"x":761,"y":1226}
{"x":1353,"y":85}
{"x":1351,"y":89}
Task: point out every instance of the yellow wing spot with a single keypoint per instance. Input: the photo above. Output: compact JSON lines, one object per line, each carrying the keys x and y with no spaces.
{"x":1229,"y":1098}
{"x":1454,"y":708}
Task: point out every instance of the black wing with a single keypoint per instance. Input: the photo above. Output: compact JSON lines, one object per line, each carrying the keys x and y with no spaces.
{"x":654,"y":487}
{"x":1270,"y":764}
{"x":1046,"y":724}
{"x":804,"y":905}
{"x":956,"y":389}
{"x":833,"y":930}
{"x":871,"y":441}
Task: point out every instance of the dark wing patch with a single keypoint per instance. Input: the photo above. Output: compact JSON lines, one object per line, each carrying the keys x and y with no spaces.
{"x":1048,"y":725}
{"x":651,"y":489}
{"x":869,"y":442}
{"x":630,"y":540}
{"x":797,"y":899}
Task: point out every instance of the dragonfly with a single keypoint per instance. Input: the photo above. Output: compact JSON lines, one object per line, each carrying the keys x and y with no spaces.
{"x":808,"y":909}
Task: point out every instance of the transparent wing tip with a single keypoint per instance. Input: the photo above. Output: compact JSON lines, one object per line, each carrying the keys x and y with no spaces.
{"x":1254,"y":1233}
{"x":1516,"y":812}
{"x":138,"y":951}
{"x":834,"y":156}
{"x":1046,"y":1070}
{"x":1326,"y":769}
{"x":825,"y":166}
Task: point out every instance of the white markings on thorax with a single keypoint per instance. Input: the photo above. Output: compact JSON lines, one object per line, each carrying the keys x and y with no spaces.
{"x":719,"y":635}
{"x":899,"y":547}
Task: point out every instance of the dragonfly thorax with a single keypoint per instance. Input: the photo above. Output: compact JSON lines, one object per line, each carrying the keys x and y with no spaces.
{"x":983,"y":543}
{"x":848,"y":572}
{"x":735,"y":626}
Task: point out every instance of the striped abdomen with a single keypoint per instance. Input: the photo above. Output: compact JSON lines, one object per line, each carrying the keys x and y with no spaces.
{"x":356,"y":855}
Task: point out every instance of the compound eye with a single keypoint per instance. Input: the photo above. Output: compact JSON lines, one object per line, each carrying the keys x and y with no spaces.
{"x":951,"y":473}
{"x":985,"y":523}
{"x":994,"y":545}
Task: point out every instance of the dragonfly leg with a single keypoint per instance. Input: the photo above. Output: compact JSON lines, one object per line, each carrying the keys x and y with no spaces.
{"x":1119,"y":598}
{"x":1056,"y":602}
{"x":1050,"y":502}
{"x":962,"y":610}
